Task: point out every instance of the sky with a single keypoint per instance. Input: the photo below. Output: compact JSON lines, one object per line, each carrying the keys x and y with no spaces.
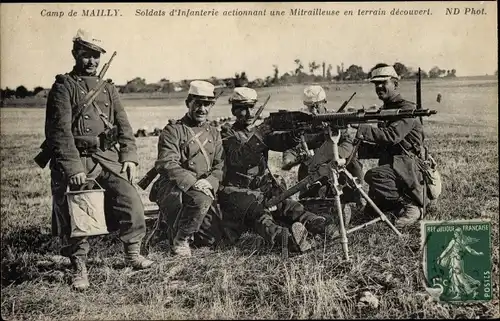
{"x":34,"y":48}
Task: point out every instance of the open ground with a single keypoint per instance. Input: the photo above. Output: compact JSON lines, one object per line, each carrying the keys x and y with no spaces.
{"x":250,"y":281}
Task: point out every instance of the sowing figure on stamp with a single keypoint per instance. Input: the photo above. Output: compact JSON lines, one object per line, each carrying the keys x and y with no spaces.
{"x":452,"y":258}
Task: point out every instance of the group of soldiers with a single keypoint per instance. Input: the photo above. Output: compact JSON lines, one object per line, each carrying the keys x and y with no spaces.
{"x":213,"y":182}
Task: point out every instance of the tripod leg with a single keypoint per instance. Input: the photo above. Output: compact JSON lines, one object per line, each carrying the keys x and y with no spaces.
{"x":382,"y":216}
{"x":340,"y":214}
{"x":343,"y":232}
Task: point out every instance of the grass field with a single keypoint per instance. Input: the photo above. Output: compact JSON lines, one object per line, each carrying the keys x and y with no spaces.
{"x":249,"y":281}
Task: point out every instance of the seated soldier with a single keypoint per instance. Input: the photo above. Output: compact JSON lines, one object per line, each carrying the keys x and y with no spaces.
{"x":190,"y":163}
{"x":315,"y":100}
{"x":248,"y":183}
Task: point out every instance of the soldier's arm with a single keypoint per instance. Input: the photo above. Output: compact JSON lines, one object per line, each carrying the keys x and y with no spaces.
{"x":239,"y":154}
{"x":126,"y":139}
{"x":169,"y":159}
{"x":314,"y":140}
{"x":217,"y":167}
{"x":346,"y":144}
{"x":390,"y":135}
{"x":280,"y":142}
{"x":58,"y":123}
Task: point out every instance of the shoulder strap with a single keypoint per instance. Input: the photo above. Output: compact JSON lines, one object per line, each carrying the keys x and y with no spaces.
{"x":195,"y":137}
{"x":88,"y":94}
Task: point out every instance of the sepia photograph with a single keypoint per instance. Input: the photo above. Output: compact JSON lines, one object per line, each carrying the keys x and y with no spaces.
{"x":249,"y":160}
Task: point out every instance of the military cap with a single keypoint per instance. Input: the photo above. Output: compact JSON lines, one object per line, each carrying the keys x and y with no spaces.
{"x":244,"y":95}
{"x":384,"y":73}
{"x":203,"y":90}
{"x":85,"y":39}
{"x":313,"y":94}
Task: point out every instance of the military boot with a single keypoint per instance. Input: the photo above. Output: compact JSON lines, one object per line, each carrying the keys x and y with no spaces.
{"x":409,"y":215}
{"x":316,"y":225}
{"x":133,"y":257}
{"x":298,"y":238}
{"x":80,"y":279}
{"x":180,"y":246}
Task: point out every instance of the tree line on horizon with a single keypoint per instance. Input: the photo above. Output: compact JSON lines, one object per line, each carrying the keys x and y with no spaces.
{"x":314,"y":73}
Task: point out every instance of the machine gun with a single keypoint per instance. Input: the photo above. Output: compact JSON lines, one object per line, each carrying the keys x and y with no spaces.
{"x":297,"y":120}
{"x":327,"y":163}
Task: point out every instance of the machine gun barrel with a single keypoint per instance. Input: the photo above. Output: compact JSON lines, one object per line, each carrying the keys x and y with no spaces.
{"x":293,"y":120}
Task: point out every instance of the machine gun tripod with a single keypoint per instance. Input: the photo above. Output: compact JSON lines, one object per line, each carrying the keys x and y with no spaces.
{"x":327,"y":163}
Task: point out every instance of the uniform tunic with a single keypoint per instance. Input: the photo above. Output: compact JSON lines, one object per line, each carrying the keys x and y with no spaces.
{"x":397,"y":178}
{"x":181,"y":162}
{"x":247,"y":183}
{"x":74,"y":148}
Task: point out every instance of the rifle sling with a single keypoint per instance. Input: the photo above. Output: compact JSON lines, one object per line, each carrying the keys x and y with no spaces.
{"x":195,"y":138}
{"x":87,"y":100}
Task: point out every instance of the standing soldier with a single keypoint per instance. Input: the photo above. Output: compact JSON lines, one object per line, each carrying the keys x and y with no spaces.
{"x":190,"y":163}
{"x":77,"y":154}
{"x":314,"y":99}
{"x":248,"y":181}
{"x":396,"y":184}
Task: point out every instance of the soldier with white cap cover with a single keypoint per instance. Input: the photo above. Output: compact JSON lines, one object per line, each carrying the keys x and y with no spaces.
{"x":395,"y":185}
{"x":190,"y":163}
{"x":248,"y":181}
{"x":78,"y":154}
{"x":314,"y":98}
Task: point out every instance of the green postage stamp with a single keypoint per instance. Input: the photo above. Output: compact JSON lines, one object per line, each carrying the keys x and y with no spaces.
{"x":457,"y":259}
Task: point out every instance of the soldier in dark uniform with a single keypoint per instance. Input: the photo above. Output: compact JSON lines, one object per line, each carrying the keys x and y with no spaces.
{"x":248,"y":181}
{"x":396,"y":185}
{"x":78,"y":155}
{"x":190,"y":163}
{"x":314,"y":99}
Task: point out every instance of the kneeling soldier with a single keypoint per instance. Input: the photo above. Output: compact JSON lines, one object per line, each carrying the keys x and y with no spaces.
{"x":314,"y":98}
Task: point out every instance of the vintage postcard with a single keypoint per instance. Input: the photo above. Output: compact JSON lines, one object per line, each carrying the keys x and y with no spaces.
{"x":252,"y":160}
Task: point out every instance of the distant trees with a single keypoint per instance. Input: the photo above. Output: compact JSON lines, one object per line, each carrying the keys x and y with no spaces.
{"x":313,"y":66}
{"x":240,"y":80}
{"x":295,"y":75}
{"x":436,"y":72}
{"x":20,"y":92}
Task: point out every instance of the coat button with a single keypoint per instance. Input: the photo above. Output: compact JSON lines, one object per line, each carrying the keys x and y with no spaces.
{"x":87,"y":129}
{"x":82,"y":92}
{"x":104,"y":91}
{"x":208,"y":129}
{"x":209,"y":140}
{"x":191,"y":163}
{"x":86,"y":117}
{"x":191,"y":142}
{"x":106,"y":104}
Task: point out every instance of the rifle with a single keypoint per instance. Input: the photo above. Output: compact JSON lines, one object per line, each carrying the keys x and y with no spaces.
{"x":152,"y":173}
{"x":344,"y":105}
{"x":45,"y":154}
{"x":300,"y":121}
{"x":261,"y":109}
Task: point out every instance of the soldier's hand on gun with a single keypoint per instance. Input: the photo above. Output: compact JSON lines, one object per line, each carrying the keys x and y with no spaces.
{"x":78,"y":179}
{"x":264,"y":128}
{"x":130,"y":169}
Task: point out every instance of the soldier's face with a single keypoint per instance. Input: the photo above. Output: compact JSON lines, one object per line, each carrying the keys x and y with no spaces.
{"x":316,"y":108}
{"x":245,"y":114}
{"x":199,"y":110}
{"x":385,"y":89}
{"x":87,"y":61}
